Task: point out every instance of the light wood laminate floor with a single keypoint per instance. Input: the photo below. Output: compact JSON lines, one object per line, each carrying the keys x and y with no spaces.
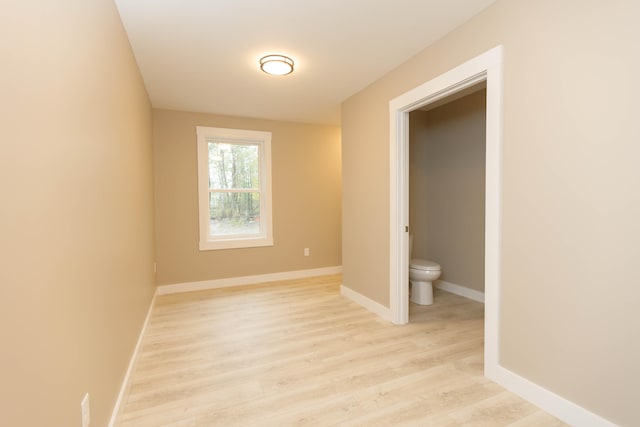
{"x":296,"y":353}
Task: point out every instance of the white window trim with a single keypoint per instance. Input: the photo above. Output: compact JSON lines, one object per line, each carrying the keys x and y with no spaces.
{"x":263,"y":139}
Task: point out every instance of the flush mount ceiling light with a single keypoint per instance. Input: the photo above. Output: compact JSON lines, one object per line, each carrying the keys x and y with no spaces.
{"x":277,"y":65}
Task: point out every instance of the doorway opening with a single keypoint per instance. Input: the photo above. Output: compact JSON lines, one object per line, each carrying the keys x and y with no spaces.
{"x":447,"y":199}
{"x":483,"y":69}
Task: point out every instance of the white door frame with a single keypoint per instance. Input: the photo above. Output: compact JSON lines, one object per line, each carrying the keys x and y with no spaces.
{"x":485,"y":67}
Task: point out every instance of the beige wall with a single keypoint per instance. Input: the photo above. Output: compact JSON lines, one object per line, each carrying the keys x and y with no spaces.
{"x":570,"y":287}
{"x":306,"y":200}
{"x":446,"y":188}
{"x":77,"y":211}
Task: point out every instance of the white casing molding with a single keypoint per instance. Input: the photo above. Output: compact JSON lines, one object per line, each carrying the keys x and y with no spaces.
{"x":245,"y":280}
{"x":365,"y":302}
{"x":460,"y":290}
{"x":486,"y":67}
{"x":132,"y":362}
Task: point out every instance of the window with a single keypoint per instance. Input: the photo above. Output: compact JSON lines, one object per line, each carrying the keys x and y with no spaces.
{"x":234,"y":188}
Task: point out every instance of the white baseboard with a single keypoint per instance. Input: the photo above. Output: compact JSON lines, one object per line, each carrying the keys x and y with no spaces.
{"x":245,"y":280}
{"x":460,"y":290}
{"x":365,"y":302}
{"x":132,"y":361}
{"x":548,"y":401}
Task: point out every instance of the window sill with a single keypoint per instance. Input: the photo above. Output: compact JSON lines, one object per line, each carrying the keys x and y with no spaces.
{"x":235,"y":243}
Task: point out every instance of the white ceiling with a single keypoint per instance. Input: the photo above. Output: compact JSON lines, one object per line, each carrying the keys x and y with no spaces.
{"x":202,"y":55}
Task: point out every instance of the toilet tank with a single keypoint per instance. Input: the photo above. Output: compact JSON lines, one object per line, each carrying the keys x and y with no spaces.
{"x":410,"y":246}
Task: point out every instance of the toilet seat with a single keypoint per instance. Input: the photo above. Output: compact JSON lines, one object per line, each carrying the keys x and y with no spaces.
{"x":423,"y":264}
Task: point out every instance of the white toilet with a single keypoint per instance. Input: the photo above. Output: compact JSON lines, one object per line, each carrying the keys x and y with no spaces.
{"x":422,"y":273}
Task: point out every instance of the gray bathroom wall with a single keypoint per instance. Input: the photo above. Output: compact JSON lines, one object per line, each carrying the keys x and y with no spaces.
{"x":446,"y":188}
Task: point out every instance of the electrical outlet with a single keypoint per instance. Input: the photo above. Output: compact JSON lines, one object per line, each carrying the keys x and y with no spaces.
{"x":84,"y":406}
{"x":306,"y":251}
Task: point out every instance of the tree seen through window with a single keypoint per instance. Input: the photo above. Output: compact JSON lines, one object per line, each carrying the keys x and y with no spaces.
{"x":234,"y":188}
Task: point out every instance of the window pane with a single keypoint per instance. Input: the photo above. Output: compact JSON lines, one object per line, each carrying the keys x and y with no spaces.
{"x":234,"y":213}
{"x":233,"y":166}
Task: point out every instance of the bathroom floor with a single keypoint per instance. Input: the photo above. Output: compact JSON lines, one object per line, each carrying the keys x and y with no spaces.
{"x":447,"y":306}
{"x":297,"y":353}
